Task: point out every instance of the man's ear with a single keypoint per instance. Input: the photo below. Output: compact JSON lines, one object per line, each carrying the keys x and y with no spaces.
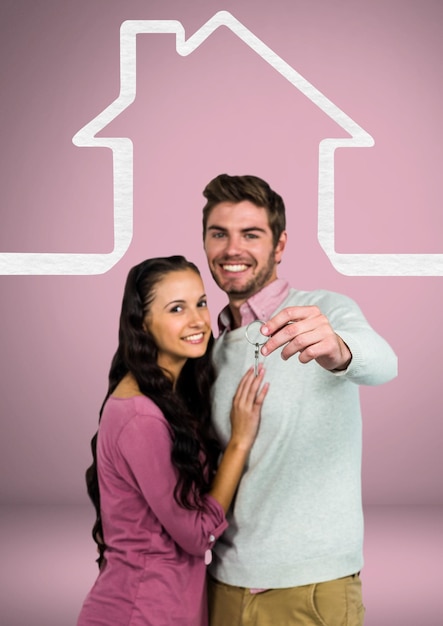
{"x":279,"y":248}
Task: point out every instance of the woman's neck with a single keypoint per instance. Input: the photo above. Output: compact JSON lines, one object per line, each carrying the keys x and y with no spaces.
{"x":127,"y":387}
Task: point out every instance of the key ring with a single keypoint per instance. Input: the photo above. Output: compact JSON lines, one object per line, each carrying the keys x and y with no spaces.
{"x":252,"y":336}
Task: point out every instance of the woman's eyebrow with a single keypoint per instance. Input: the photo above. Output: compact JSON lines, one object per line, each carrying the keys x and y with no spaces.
{"x":174,"y":302}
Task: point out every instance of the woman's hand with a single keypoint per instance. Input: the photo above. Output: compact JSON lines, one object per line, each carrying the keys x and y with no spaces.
{"x":245,"y":420}
{"x":246,"y":408}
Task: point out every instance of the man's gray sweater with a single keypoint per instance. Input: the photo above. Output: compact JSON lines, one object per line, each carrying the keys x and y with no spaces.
{"x":297,"y":517}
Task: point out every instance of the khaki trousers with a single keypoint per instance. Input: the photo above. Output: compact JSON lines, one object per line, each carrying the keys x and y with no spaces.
{"x":333,"y":603}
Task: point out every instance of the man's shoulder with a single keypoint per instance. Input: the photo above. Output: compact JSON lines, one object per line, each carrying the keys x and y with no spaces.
{"x":315,"y":297}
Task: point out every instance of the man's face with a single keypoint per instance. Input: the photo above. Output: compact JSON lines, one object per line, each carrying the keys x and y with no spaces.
{"x":240,"y":250}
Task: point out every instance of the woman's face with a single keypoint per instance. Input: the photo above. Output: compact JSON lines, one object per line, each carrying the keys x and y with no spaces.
{"x":178,"y":320}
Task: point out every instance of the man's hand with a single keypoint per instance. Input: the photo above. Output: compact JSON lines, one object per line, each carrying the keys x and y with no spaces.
{"x":306,"y":331}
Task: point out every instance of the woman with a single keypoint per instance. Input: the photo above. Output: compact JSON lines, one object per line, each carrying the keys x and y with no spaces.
{"x":160,"y":503}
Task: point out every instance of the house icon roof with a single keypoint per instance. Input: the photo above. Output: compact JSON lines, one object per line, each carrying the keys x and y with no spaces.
{"x":91,"y":263}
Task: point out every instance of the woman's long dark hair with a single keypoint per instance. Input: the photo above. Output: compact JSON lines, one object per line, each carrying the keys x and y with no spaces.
{"x":187,"y":408}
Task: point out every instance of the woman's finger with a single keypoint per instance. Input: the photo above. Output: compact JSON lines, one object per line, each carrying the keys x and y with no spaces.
{"x":261,"y":395}
{"x":254,"y":384}
{"x":242,"y":384}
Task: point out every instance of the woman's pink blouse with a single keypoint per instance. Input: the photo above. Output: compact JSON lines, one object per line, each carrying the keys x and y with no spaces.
{"x":156,"y":550}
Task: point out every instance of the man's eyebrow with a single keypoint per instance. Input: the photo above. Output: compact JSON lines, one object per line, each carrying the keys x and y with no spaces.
{"x":253,"y":228}
{"x":243,"y":230}
{"x":215,"y":227}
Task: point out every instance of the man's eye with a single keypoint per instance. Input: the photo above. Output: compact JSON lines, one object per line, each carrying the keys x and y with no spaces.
{"x":218,"y":235}
{"x":251,"y":236}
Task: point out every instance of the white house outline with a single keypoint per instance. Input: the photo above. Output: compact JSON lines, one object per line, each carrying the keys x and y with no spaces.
{"x":91,"y":263}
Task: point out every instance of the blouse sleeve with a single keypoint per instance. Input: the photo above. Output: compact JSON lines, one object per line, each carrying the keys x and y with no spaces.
{"x":145,"y":446}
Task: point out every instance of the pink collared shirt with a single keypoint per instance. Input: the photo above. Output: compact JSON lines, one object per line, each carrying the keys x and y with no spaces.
{"x":260,"y":306}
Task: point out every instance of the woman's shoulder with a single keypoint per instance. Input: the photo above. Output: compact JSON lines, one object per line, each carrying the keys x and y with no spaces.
{"x":132,"y":406}
{"x":127,"y":410}
{"x":135,"y":421}
{"x":128,"y":396}
{"x":133,"y":418}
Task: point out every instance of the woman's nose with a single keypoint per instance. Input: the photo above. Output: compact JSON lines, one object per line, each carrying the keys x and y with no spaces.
{"x":197,"y":319}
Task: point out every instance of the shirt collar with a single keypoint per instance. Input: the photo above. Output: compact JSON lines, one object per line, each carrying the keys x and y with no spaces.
{"x":260,"y":306}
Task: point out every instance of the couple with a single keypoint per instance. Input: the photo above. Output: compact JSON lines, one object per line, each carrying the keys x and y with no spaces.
{"x":285,"y":541}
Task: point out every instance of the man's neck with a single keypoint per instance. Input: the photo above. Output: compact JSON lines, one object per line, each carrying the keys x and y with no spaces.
{"x":234,"y":308}
{"x":235,"y":316}
{"x":235,"y":305}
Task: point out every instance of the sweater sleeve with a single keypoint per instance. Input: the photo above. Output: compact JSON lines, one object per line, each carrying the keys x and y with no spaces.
{"x":373,"y":360}
{"x":144,"y":446}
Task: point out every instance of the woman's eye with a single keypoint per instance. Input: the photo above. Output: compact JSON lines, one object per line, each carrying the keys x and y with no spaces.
{"x":203,"y":303}
{"x":176,"y":309}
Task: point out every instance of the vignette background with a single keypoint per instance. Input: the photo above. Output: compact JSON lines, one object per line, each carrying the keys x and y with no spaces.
{"x":220,"y":109}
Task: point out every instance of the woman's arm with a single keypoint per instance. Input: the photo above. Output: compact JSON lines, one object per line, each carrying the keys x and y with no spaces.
{"x":142,"y":458}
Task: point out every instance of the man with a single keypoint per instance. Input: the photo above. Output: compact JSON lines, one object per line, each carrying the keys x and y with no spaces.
{"x":293,"y":550}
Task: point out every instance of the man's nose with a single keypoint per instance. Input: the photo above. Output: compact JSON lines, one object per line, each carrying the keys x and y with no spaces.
{"x":233,"y":246}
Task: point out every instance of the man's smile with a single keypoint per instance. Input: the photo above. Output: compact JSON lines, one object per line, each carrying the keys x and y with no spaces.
{"x":234,"y":267}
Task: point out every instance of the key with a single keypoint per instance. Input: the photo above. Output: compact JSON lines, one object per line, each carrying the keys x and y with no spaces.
{"x":257,"y":352}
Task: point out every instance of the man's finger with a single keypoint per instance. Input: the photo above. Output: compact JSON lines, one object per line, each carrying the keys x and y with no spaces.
{"x":280,"y":338}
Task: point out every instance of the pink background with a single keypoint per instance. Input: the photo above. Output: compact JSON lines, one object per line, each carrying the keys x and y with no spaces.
{"x":222,"y":109}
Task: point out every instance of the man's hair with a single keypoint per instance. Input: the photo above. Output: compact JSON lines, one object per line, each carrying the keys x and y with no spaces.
{"x":225,"y":188}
